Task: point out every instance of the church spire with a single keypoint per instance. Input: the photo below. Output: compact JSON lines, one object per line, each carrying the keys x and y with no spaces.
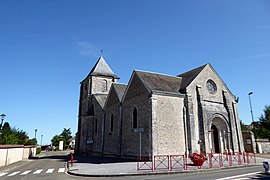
{"x":102,"y":68}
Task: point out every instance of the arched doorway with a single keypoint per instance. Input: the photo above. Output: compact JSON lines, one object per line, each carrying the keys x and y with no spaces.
{"x":219,"y":135}
{"x":215,"y":139}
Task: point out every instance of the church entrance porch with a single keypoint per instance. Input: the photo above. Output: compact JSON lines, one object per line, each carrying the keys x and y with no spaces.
{"x":219,"y":135}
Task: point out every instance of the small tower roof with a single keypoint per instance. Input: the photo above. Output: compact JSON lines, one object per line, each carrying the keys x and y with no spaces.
{"x":102,"y":68}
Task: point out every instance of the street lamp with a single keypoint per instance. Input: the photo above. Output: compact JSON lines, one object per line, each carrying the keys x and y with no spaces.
{"x":252,"y":119}
{"x":2,"y":119}
{"x":35,"y":133}
{"x":41,"y":140}
{"x":251,"y":107}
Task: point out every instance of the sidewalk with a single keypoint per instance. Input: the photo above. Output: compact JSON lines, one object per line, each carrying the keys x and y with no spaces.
{"x":106,"y":167}
{"x":99,"y":166}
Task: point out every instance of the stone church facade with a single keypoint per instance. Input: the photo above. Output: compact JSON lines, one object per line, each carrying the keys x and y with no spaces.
{"x":156,"y":114}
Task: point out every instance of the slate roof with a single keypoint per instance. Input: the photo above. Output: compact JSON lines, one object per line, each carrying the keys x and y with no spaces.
{"x":189,"y":76}
{"x":101,"y":99}
{"x":101,"y":68}
{"x":159,"y":82}
{"x":120,"y":90}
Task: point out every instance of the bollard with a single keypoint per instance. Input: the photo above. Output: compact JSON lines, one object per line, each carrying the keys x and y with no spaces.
{"x":71,"y":159}
{"x":266,"y":166}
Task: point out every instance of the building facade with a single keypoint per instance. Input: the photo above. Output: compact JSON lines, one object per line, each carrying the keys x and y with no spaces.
{"x":156,"y":114}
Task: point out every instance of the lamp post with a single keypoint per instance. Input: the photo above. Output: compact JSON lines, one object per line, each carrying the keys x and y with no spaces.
{"x":255,"y":150}
{"x":41,"y":140}
{"x":251,"y":107}
{"x":35,"y":133}
{"x":2,"y":119}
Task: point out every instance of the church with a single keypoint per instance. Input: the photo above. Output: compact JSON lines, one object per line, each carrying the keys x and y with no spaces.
{"x":156,"y":114}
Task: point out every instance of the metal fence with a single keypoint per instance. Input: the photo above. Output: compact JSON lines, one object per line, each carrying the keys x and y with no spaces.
{"x":183,"y":162}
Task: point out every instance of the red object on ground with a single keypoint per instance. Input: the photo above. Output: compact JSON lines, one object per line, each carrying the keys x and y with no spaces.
{"x":71,"y":159}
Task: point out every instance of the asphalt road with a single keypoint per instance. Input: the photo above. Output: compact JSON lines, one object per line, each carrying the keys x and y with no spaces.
{"x":225,"y":174}
{"x":52,"y":166}
{"x":49,"y":166}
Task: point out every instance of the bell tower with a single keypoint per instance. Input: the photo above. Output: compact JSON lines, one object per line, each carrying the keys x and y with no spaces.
{"x":96,"y":83}
{"x":100,"y":78}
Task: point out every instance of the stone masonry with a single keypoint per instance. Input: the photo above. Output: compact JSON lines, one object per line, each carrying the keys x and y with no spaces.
{"x":156,"y":114}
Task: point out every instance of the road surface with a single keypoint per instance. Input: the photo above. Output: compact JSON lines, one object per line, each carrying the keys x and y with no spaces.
{"x":52,"y":166}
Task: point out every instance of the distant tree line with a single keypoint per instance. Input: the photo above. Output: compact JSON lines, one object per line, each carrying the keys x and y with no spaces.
{"x":260,"y":128}
{"x":65,"y":136}
{"x":15,"y":136}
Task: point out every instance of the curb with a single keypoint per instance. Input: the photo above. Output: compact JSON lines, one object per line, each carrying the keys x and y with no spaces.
{"x":157,"y":172}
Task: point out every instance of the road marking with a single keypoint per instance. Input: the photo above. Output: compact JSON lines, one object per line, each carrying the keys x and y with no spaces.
{"x":61,"y":170}
{"x":49,"y":171}
{"x":26,"y":172}
{"x":38,"y":171}
{"x":2,"y":174}
{"x":14,"y":173}
{"x":238,"y":176}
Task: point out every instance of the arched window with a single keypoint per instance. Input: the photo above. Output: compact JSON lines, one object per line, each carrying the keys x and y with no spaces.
{"x":134,"y":118}
{"x":111,"y":123}
{"x":104,"y":86}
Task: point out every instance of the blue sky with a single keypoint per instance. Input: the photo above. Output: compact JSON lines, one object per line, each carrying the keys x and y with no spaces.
{"x":48,"y":47}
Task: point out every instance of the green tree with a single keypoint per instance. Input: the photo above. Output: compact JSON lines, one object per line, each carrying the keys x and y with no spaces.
{"x":12,"y":135}
{"x":264,"y":120}
{"x":243,"y":126}
{"x":6,"y":129}
{"x":64,"y":136}
{"x":55,"y":140}
{"x":20,"y":135}
{"x":31,"y":142}
{"x":262,"y":127}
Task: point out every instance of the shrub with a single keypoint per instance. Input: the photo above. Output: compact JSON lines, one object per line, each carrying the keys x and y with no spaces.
{"x":38,"y":151}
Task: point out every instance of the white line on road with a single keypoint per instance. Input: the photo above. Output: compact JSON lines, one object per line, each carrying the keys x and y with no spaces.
{"x":14,"y":173}
{"x":38,"y":171}
{"x":242,"y":175}
{"x":61,"y":170}
{"x":2,"y":174}
{"x":49,"y":171}
{"x":26,"y":172}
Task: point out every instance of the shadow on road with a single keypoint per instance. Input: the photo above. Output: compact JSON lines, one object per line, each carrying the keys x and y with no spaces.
{"x":262,"y":176}
{"x":62,"y":157}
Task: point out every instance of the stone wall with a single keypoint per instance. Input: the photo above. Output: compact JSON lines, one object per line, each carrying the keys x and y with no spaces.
{"x":168,"y":125}
{"x":13,"y":153}
{"x":205,"y":106}
{"x":101,"y":84}
{"x":137,"y":96}
{"x":263,"y":145}
{"x":112,"y":139}
{"x":97,"y":135}
{"x":249,"y":141}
